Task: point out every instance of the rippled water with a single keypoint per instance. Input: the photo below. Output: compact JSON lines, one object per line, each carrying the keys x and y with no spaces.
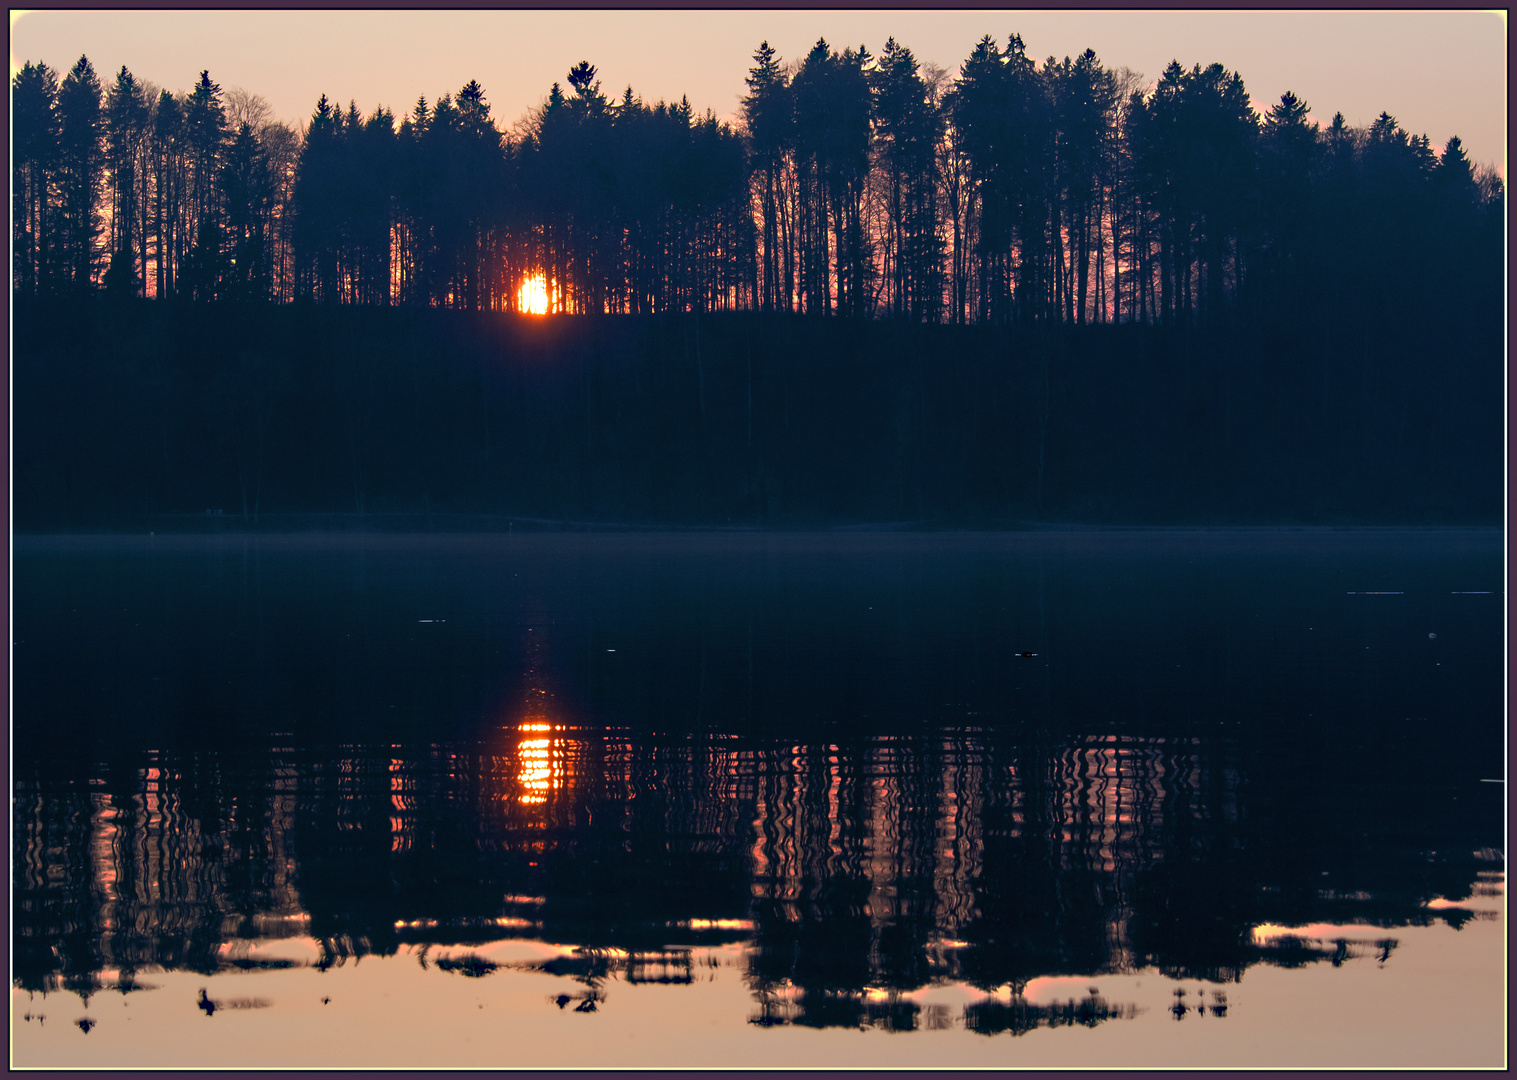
{"x":1212,"y":797}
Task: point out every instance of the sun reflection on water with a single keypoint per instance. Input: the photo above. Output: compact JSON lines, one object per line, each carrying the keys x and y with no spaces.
{"x":540,"y":762}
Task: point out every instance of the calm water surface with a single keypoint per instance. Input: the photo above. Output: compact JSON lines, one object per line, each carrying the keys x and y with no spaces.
{"x":1094,"y":798}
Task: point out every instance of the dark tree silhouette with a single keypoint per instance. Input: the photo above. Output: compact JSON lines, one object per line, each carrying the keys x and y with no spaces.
{"x":80,"y":174}
{"x":1290,"y":161}
{"x":833,"y":115}
{"x":167,"y":151}
{"x":907,"y":126}
{"x":999,"y":104}
{"x":769,"y":117}
{"x":34,"y":165}
{"x":1083,"y":97}
{"x":126,"y":116}
{"x":205,"y":137}
{"x":248,"y":190}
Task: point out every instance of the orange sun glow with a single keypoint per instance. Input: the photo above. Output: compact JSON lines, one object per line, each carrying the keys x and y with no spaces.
{"x":532,"y":297}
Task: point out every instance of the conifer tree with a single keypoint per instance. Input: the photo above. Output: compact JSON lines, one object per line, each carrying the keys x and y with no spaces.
{"x":126,"y":116}
{"x":34,"y":164}
{"x":80,"y":175}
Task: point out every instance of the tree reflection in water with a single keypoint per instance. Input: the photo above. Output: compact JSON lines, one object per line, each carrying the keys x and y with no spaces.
{"x":832,"y":753}
{"x":857,"y":873}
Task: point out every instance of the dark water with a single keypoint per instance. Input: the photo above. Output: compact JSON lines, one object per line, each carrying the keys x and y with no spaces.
{"x":864,"y":765}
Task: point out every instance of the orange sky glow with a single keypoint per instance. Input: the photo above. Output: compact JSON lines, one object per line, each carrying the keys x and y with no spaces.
{"x":1440,"y":73}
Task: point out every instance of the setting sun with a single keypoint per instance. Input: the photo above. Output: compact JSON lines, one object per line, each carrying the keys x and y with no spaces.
{"x":532,"y":297}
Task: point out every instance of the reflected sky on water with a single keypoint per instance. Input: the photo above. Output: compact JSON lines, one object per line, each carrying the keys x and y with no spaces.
{"x":943,"y":787}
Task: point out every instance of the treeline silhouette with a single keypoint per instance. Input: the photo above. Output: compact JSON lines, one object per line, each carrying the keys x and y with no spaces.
{"x":852,"y":184}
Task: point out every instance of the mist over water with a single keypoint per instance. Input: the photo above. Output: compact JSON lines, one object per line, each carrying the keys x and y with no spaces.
{"x":858,"y":770}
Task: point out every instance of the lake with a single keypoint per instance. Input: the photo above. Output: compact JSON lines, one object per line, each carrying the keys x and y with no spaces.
{"x":1208,"y":798}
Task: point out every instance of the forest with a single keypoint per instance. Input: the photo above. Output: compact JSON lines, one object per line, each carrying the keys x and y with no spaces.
{"x":1025,"y":291}
{"x":853,"y":185}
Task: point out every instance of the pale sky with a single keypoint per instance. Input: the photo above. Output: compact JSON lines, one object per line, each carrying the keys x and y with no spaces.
{"x":1440,"y":73}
